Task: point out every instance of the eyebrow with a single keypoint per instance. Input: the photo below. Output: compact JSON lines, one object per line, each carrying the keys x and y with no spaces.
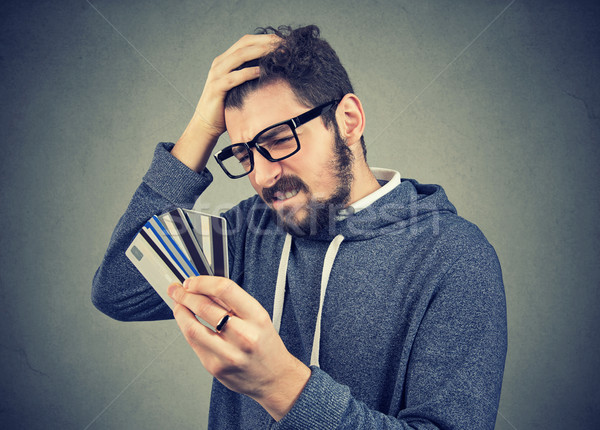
{"x":236,"y":150}
{"x":271,"y":132}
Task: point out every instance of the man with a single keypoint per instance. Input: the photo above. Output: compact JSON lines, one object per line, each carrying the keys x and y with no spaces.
{"x":357,"y":300}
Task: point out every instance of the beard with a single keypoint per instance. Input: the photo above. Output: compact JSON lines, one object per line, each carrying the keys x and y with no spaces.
{"x":319,"y":214}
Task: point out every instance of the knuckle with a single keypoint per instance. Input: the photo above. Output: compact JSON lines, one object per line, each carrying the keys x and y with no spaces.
{"x":234,"y":361}
{"x":223,"y":287}
{"x":249,"y":341}
{"x":204,"y":307}
{"x":216,"y":62}
{"x":228,"y":81}
{"x":231,"y":363}
{"x":264,"y":320}
{"x":190,"y":331}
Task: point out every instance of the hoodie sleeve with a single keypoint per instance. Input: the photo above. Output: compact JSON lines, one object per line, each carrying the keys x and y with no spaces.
{"x":454,"y":374}
{"x":118,"y":289}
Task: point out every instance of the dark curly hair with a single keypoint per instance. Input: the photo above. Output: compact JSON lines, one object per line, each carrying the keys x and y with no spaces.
{"x":307,"y":63}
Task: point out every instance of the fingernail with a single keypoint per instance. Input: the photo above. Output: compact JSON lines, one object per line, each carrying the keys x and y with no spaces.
{"x":171,"y":289}
{"x":186,"y":284}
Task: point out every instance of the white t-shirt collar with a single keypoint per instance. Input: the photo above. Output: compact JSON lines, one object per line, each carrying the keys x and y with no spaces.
{"x":393,"y":180}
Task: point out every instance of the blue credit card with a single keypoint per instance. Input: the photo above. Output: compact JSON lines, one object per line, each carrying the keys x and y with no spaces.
{"x":161,"y":237}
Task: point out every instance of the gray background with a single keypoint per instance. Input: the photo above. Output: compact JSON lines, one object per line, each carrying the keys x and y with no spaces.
{"x":498,"y":101}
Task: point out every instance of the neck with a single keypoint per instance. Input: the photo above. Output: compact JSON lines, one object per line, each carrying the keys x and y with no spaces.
{"x":364,"y":182}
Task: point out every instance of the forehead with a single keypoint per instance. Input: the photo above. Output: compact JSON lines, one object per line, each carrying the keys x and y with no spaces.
{"x":263,"y":107}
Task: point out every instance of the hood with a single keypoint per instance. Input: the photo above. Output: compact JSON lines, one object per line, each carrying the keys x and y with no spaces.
{"x":406,"y":203}
{"x":397,"y":205}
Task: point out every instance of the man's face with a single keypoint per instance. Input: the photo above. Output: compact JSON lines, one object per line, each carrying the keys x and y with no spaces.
{"x":306,"y":189}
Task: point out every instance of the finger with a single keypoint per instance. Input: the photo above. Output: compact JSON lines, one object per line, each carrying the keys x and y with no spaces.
{"x":236,"y":57}
{"x":242,"y":55}
{"x":202,"y":339}
{"x":215,"y":299}
{"x":238,"y":77}
{"x":269,"y":40}
{"x":217,"y":352}
{"x":216,"y":89}
{"x":230,"y":293}
{"x":201,"y":305}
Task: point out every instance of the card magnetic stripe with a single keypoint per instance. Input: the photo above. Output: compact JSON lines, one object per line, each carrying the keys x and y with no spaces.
{"x":155,"y":233}
{"x":217,"y":242}
{"x":168,"y":236}
{"x":189,"y":244}
{"x":162,"y":256}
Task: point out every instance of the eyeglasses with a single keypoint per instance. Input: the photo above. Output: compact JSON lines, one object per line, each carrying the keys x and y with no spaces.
{"x":276,"y":142}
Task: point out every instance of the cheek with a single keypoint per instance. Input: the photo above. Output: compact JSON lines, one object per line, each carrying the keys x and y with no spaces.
{"x":317,"y":144}
{"x":315,"y":164}
{"x":317,"y":151}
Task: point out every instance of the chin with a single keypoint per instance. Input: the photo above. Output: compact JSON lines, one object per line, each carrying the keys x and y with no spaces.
{"x":295,"y":222}
{"x":306,"y":221}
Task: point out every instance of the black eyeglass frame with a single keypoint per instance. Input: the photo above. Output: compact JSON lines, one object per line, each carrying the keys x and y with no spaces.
{"x":293,"y":123}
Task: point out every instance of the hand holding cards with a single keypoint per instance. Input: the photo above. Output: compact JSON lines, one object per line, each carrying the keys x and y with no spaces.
{"x":177,"y":245}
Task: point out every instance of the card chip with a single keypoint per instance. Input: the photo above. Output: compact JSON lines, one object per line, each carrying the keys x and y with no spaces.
{"x":137,"y":253}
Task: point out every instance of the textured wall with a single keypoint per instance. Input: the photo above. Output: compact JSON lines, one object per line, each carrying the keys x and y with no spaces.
{"x":497,"y":101}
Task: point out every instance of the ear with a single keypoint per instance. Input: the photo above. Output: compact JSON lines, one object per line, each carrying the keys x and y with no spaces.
{"x":350,"y":118}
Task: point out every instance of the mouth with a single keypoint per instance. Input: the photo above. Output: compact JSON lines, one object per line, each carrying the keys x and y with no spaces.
{"x":283,"y":199}
{"x":284,"y":192}
{"x":280,"y":195}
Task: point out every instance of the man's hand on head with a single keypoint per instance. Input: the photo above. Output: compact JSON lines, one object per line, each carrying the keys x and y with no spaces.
{"x":200,"y":136}
{"x":247,"y":355}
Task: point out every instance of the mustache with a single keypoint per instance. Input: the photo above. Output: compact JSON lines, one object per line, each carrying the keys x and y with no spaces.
{"x":286,"y":183}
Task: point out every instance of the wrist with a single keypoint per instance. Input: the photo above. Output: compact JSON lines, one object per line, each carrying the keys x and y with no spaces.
{"x":196,"y":143}
{"x":279,"y":399}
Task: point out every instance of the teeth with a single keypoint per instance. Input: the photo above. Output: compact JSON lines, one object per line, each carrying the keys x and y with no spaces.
{"x":287,"y":195}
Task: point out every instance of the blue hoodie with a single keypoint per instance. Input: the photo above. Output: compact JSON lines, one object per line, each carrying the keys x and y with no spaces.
{"x":399,"y":308}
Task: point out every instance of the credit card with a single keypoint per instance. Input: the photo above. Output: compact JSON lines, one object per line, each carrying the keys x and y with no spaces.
{"x":210,"y":232}
{"x":156,"y":268}
{"x":185,"y":231}
{"x":153,"y":265}
{"x":161,"y":237}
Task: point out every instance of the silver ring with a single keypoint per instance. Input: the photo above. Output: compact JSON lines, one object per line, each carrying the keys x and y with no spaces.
{"x":222,"y":323}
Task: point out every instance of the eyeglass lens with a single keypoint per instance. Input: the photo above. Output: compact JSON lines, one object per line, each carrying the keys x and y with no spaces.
{"x":277,"y":143}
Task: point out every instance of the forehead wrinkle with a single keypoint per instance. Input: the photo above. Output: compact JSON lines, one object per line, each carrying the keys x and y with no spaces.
{"x":247,"y":137}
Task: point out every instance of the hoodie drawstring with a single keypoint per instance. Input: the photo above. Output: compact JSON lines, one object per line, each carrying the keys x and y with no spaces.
{"x":280,"y":289}
{"x":280,"y":285}
{"x":327,"y":266}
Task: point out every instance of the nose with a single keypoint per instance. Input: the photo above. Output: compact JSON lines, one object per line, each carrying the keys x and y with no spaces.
{"x":266,"y":173}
